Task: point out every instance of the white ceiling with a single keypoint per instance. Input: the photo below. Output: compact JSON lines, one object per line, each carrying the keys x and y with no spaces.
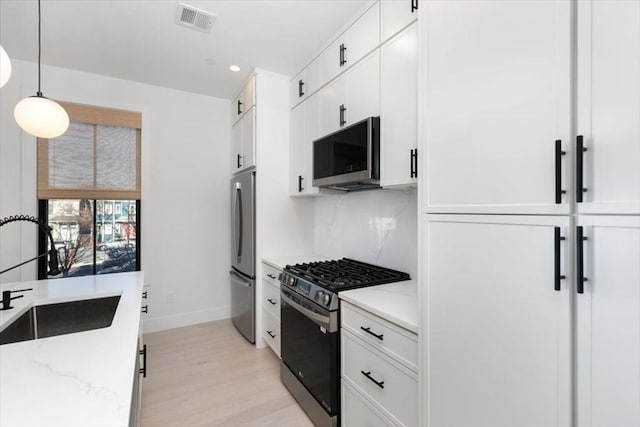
{"x":139,"y":40}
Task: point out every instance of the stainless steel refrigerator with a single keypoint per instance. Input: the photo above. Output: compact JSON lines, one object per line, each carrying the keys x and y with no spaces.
{"x":243,"y":254}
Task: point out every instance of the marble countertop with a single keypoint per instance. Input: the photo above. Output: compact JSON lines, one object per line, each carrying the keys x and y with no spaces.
{"x":395,"y":302}
{"x":80,"y":379}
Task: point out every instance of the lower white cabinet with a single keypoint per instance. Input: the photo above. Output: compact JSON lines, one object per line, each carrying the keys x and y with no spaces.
{"x":271,"y":307}
{"x":375,"y":374}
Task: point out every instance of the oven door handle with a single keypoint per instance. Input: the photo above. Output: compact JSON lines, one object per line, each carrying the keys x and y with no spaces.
{"x":317,"y":318}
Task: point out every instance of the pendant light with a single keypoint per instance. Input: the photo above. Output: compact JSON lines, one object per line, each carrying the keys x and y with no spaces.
{"x":5,"y":67}
{"x":37,"y":115}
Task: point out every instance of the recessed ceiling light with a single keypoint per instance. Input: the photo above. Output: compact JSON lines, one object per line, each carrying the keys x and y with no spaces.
{"x":234,"y":68}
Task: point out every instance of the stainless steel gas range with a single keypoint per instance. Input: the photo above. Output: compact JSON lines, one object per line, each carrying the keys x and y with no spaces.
{"x":310,"y":336}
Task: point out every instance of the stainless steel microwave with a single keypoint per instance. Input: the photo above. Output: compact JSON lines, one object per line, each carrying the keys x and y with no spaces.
{"x":349,"y":159}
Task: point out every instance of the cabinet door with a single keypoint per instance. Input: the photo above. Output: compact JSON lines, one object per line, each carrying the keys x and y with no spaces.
{"x":236,"y":111}
{"x":331,"y":63}
{"x":609,"y":105}
{"x":498,"y":338}
{"x":608,"y":323}
{"x":236,"y":147}
{"x":249,"y":138}
{"x":399,"y":107}
{"x":363,"y":36}
{"x":249,"y":94}
{"x":363,"y":89}
{"x":312,"y":131}
{"x":498,"y":77}
{"x":396,"y":14}
{"x":296,"y":89}
{"x":333,"y":96}
{"x":296,"y":149}
{"x":313,"y":74}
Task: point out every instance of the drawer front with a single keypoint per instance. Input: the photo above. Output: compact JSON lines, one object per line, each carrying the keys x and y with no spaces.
{"x":271,"y":299}
{"x":358,"y":412}
{"x":390,"y":339}
{"x":271,"y":274}
{"x":271,"y":332}
{"x":397,"y":389}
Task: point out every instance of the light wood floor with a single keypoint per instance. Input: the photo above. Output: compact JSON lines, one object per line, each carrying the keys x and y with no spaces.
{"x":209,"y":375}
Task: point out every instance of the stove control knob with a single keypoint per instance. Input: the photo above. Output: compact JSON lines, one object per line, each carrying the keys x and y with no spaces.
{"x":292,"y":282}
{"x":324,"y":298}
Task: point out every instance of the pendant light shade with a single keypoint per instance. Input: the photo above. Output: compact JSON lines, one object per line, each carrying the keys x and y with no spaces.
{"x":37,"y":115}
{"x":41,"y":117}
{"x":5,"y":67}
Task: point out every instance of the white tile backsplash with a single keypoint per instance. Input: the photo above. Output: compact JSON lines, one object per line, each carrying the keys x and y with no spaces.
{"x":376,"y":226}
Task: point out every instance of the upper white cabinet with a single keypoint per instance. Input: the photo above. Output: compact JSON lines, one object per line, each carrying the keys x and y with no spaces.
{"x":334,"y":100}
{"x":608,"y":321}
{"x":243,"y":143}
{"x":395,"y":15}
{"x":304,"y":128}
{"x":399,"y":109}
{"x":360,"y":39}
{"x":498,"y":81}
{"x":244,"y":100}
{"x":608,"y":107}
{"x":306,"y":82}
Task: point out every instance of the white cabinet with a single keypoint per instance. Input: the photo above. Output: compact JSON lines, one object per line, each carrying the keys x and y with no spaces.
{"x":334,"y":100}
{"x":497,"y":78}
{"x":399,"y":109}
{"x":356,"y":42}
{"x":243,"y":142}
{"x":304,"y":128}
{"x":395,"y":15}
{"x":243,"y":102}
{"x":378,"y":370}
{"x":271,"y":307}
{"x":499,"y":316}
{"x":608,"y":322}
{"x":305,"y":83}
{"x":608,"y":105}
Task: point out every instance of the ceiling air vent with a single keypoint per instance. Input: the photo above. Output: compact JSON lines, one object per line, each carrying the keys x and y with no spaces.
{"x":194,"y":18}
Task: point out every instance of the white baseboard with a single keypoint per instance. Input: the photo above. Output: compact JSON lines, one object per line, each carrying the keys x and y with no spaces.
{"x":185,"y":319}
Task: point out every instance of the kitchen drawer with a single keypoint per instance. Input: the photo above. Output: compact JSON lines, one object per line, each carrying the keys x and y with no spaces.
{"x":397,"y":394}
{"x":271,"y":274}
{"x":357,"y":411}
{"x":271,"y":332}
{"x":394,"y":341}
{"x":271,"y":299}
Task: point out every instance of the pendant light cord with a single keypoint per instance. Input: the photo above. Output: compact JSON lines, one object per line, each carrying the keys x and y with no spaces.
{"x":39,"y":93}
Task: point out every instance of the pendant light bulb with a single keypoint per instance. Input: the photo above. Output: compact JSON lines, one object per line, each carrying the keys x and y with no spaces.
{"x":5,"y":67}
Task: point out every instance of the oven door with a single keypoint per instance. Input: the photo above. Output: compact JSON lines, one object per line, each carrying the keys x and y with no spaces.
{"x":310,"y":349}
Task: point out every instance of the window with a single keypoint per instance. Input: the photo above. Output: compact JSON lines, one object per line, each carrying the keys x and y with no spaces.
{"x":89,"y":191}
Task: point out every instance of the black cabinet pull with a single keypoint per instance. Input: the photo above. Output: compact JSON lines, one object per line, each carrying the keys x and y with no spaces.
{"x":271,"y":276}
{"x":143,"y":353}
{"x":559,"y":154}
{"x":300,"y":189}
{"x":556,"y":258}
{"x":343,"y":59}
{"x":580,"y":149}
{"x":414,"y":163}
{"x":272,"y":302}
{"x":342,"y":110}
{"x":144,"y":295}
{"x":368,"y":375}
{"x":368,"y":330}
{"x":239,"y":105}
{"x":271,"y":334}
{"x":414,"y":5}
{"x":300,"y":92}
{"x":580,"y":279}
{"x":239,"y":157}
{"x":145,"y":309}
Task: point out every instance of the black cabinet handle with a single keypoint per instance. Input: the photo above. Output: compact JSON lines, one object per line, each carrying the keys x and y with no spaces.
{"x":144,"y":295}
{"x":556,"y":258}
{"x":342,"y":110}
{"x":143,"y":353}
{"x":343,"y":59}
{"x":414,"y":163}
{"x":239,"y":157}
{"x":580,"y":149}
{"x":559,"y":154}
{"x":272,"y":302}
{"x":368,"y":330}
{"x":580,"y":238}
{"x":271,"y":276}
{"x":300,"y":92}
{"x":239,"y":105}
{"x":414,"y":5}
{"x":368,"y":375}
{"x":145,"y":309}
{"x":271,"y":334}
{"x":300,"y":189}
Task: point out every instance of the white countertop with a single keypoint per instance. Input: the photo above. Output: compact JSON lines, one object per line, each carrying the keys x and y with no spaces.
{"x":280,"y":262}
{"x":80,"y":379}
{"x":395,"y":302}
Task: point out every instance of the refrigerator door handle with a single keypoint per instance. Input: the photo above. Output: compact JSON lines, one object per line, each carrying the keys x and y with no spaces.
{"x":237,"y":222}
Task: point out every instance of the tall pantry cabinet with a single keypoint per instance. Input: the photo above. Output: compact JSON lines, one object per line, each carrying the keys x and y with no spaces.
{"x":530,"y":108}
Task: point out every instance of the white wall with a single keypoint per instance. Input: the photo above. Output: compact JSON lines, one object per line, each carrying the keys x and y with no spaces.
{"x":375,"y":226}
{"x":185,"y":196}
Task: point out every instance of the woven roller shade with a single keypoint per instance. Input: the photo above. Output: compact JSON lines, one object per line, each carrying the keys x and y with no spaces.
{"x":97,"y":158}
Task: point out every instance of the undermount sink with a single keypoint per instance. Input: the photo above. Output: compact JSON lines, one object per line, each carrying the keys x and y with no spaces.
{"x":49,"y":320}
